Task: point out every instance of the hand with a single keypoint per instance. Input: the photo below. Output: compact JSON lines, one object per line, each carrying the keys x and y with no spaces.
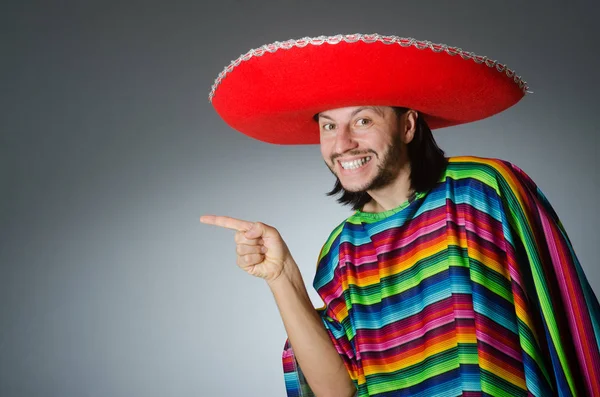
{"x":261,"y":250}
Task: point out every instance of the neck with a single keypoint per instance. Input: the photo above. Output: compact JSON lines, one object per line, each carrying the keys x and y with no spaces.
{"x":392,"y":195}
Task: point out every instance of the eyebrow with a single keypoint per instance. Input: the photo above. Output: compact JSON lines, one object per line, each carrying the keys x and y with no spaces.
{"x":356,"y":111}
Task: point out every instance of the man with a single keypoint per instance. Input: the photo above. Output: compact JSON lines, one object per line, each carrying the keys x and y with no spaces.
{"x":454,"y":276}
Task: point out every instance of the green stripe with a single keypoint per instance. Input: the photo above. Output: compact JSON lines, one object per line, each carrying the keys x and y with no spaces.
{"x":491,"y":280}
{"x":410,"y":278}
{"x":432,"y":366}
{"x":498,"y":387}
{"x":531,"y":348}
{"x":327,"y":246}
{"x":523,"y":229}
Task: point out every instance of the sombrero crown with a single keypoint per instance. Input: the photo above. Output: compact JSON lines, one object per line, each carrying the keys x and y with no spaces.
{"x":272,"y":93}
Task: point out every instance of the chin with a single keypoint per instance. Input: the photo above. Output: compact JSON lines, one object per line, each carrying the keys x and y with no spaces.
{"x":355,"y":187}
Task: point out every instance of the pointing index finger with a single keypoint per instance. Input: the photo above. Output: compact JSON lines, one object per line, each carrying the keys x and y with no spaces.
{"x":226,"y":222}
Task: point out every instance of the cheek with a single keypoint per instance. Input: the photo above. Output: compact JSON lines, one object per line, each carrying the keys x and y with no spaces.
{"x":326,"y":150}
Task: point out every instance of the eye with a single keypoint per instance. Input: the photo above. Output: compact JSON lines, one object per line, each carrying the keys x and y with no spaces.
{"x":362,"y":122}
{"x":328,"y":127}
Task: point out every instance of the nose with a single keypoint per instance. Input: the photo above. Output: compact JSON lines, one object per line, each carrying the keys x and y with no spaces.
{"x":344,"y":141}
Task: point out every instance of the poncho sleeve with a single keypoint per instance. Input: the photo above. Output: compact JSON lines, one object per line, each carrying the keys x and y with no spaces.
{"x":334,"y":315}
{"x":568,"y":307}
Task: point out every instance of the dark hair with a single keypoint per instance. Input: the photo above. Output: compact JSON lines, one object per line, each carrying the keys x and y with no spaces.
{"x":427,"y":163}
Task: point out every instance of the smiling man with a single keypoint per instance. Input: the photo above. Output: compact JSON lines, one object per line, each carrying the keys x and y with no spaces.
{"x":453,"y":276}
{"x":366,"y":147}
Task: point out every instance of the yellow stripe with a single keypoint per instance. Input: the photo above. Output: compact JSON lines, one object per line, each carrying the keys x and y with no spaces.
{"x":502,"y":373}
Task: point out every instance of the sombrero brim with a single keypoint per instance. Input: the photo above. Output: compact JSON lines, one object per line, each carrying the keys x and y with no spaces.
{"x":273,"y":92}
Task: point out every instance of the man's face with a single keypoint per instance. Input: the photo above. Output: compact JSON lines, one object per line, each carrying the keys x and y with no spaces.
{"x":362,"y":146}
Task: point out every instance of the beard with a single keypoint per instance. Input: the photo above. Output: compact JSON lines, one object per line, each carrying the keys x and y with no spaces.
{"x":387,"y":170}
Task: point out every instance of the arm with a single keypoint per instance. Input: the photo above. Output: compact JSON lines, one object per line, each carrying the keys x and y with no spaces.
{"x":320,"y":362}
{"x":263,"y":253}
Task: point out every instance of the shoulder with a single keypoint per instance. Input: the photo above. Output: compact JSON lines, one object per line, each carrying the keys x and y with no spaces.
{"x":501,"y":175}
{"x":490,"y":171}
{"x":333,"y":240}
{"x":327,"y":263}
{"x":474,"y":164}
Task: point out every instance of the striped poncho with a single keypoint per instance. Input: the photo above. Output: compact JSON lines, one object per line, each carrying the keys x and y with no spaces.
{"x":471,"y":289}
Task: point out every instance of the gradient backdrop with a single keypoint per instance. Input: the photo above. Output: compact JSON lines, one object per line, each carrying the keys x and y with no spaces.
{"x":110,"y":151}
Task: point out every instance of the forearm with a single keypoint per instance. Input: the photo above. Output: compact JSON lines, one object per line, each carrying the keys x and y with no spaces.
{"x":320,"y":362}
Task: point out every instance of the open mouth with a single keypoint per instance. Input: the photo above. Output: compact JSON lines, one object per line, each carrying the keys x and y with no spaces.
{"x":354,"y":164}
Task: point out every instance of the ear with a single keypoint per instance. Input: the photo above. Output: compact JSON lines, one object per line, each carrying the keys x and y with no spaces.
{"x":409,"y":125}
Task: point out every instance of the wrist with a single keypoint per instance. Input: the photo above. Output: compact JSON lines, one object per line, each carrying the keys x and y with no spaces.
{"x":290,"y":276}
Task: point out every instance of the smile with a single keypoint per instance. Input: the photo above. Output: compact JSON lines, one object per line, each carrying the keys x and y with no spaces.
{"x":354,"y":164}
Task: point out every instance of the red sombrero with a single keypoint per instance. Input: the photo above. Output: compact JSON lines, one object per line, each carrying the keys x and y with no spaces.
{"x":273,"y":92}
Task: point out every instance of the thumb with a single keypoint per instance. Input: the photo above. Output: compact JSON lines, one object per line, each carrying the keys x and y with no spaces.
{"x":255,"y":231}
{"x":259,"y":230}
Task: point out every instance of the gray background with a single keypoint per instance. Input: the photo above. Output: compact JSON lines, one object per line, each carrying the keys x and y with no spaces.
{"x":110,"y":151}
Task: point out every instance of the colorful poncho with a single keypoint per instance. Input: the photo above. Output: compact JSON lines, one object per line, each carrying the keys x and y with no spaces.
{"x":472,"y":289}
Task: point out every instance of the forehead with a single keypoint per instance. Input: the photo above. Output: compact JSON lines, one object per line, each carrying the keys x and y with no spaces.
{"x":353,"y":110}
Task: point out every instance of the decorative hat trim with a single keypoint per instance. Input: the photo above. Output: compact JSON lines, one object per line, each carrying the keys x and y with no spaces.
{"x":368,"y":38}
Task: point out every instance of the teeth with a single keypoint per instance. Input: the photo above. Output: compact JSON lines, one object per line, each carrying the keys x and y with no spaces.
{"x":350,"y":165}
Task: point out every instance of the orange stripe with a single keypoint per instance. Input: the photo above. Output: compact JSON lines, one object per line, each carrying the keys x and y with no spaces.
{"x":508,"y":373}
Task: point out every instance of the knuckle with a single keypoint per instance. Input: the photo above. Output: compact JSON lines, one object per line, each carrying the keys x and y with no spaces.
{"x":264,"y":226}
{"x":238,"y":237}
